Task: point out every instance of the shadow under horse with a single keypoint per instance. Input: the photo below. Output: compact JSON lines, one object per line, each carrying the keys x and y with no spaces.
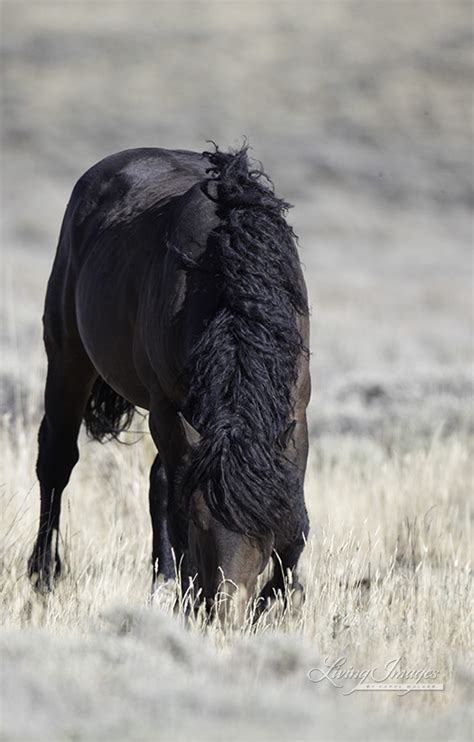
{"x":177,"y":288}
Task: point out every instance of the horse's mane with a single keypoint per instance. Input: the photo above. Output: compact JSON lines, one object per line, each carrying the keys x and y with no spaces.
{"x":243,"y":368}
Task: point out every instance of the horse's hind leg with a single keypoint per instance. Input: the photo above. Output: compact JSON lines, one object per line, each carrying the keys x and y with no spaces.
{"x":162,"y":557}
{"x":69,"y":381}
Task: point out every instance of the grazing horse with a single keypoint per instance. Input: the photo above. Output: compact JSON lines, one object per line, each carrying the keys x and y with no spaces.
{"x":177,"y":287}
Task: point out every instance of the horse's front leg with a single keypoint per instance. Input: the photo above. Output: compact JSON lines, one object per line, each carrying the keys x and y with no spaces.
{"x":168,"y":514}
{"x":285,"y":582}
{"x":162,"y":556}
{"x":285,"y":577}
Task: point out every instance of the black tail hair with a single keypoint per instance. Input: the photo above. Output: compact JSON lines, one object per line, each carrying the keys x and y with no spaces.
{"x":107,"y":413}
{"x":244,"y":366}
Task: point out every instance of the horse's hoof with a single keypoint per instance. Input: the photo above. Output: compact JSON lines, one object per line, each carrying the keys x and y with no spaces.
{"x":292,"y":599}
{"x":268,"y":598}
{"x":43,"y":571}
{"x":163,"y":591}
{"x":296,"y":597}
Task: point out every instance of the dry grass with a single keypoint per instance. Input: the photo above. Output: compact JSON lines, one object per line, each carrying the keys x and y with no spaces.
{"x":386,"y":571}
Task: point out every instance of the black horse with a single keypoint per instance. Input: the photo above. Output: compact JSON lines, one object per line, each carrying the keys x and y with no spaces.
{"x":177,"y":288}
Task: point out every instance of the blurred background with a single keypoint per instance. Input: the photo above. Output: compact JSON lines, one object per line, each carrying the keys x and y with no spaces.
{"x":361,"y":112}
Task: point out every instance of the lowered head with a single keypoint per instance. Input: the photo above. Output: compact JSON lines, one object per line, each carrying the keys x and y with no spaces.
{"x":227,"y":563}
